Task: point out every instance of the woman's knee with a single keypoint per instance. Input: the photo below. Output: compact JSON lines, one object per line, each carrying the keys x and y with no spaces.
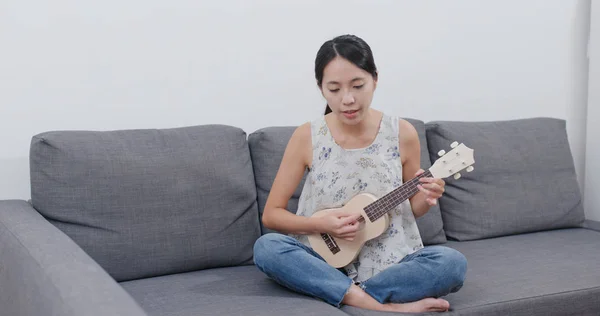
{"x":267,"y":247}
{"x":449,"y":267}
{"x":454,"y":268}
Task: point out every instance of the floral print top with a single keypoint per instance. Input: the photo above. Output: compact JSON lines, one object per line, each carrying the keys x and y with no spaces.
{"x":338,"y":174}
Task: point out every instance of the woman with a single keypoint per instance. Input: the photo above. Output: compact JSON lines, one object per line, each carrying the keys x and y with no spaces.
{"x":355,"y":149}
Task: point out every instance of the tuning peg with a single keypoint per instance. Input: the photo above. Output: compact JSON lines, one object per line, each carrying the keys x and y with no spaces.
{"x":441,"y":153}
{"x":457,"y":176}
{"x":454,"y":144}
{"x":470,"y":168}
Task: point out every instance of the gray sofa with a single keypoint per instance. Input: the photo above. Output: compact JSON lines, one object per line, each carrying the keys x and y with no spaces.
{"x":162,"y":222}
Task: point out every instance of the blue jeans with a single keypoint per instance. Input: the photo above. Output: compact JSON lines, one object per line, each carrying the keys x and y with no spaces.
{"x":433,"y":271}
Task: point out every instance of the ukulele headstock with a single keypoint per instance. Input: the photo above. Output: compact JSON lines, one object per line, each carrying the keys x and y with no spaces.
{"x":454,"y":161}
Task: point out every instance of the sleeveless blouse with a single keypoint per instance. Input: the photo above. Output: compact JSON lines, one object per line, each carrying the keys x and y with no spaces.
{"x":338,"y":174}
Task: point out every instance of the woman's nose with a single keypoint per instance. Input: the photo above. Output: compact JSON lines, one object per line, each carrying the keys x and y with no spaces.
{"x":348,"y":99}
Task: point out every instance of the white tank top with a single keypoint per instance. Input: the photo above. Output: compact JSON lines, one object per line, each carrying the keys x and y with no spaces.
{"x":338,"y":174}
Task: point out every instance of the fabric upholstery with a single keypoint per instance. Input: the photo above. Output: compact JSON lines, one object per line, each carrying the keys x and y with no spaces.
{"x":43,"y":272}
{"x":150,"y":202}
{"x":524,"y":178}
{"x":223,"y":291}
{"x":590,"y":224}
{"x":543,"y":273}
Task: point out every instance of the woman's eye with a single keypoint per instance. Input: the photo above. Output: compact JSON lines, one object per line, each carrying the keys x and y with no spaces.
{"x":334,"y":90}
{"x":358,"y":87}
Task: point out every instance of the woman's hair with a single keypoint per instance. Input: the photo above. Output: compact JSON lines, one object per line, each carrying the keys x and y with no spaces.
{"x":350,"y":47}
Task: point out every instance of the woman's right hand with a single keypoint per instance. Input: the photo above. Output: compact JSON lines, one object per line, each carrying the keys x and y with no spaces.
{"x":340,"y":224}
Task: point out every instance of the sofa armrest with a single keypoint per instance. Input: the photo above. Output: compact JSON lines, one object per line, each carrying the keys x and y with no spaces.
{"x":590,"y":224}
{"x":43,"y":271}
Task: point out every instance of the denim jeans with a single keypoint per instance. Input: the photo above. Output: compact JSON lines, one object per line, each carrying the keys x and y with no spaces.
{"x":433,"y":271}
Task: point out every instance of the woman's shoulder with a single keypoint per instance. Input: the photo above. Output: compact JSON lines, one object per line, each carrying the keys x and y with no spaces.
{"x":409,"y":142}
{"x":301,"y":138}
{"x":306,"y":131}
{"x":300,"y":143}
{"x":303,"y":132}
{"x":406,"y":131}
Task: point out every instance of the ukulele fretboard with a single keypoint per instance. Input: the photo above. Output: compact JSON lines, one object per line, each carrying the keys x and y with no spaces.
{"x":389,"y":201}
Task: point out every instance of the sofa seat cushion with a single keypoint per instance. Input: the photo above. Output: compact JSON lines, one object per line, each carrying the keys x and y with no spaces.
{"x":150,"y":202}
{"x":544,"y":273}
{"x":267,"y":146}
{"x":240,"y":290}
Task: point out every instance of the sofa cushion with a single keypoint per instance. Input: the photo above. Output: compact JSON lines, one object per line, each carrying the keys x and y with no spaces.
{"x":267,"y":146}
{"x":223,"y":291}
{"x":524,"y":178}
{"x":149,"y":202}
{"x":543,"y":273}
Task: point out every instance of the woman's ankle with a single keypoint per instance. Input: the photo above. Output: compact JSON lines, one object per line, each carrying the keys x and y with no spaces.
{"x":357,"y":297}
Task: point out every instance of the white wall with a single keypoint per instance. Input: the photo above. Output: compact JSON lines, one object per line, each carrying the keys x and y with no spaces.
{"x":112,"y":64}
{"x":592,"y":160}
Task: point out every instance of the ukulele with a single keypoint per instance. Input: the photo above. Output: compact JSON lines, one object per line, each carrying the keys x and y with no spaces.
{"x":374,"y":218}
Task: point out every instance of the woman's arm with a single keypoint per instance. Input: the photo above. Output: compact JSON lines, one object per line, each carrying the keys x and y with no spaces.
{"x":293,"y":164}
{"x":297,"y":156}
{"x":410,"y":151}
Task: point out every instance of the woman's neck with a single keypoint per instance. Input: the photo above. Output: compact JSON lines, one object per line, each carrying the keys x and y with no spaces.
{"x":365,"y":125}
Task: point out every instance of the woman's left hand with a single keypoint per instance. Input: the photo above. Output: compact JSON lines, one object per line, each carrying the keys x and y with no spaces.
{"x":433,"y":188}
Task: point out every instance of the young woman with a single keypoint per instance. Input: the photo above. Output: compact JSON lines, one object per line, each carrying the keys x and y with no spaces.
{"x":354,"y":149}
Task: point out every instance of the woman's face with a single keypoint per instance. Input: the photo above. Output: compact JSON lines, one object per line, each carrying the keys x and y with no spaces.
{"x":348,"y":90}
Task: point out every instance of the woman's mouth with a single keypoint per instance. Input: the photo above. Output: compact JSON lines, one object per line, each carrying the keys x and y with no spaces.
{"x":350,"y":114}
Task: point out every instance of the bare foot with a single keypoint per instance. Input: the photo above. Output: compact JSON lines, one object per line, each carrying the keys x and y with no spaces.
{"x":424,"y":305}
{"x":359,"y":298}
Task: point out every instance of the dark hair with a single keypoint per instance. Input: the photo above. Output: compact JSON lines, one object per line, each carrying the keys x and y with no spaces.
{"x":350,"y":47}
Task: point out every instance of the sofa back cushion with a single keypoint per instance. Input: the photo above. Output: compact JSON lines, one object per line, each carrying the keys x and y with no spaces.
{"x":267,"y":146}
{"x":523,"y":179}
{"x":150,"y":202}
